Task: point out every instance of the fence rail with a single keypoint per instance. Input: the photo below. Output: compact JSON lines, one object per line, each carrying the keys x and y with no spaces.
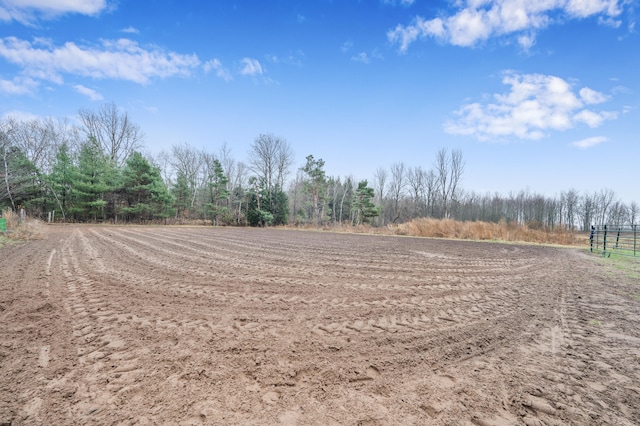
{"x":621,"y":240}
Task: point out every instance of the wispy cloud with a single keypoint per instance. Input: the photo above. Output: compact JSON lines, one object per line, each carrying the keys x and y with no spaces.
{"x":90,"y":93}
{"x":21,"y":115}
{"x":18,"y":86}
{"x":405,"y":3}
{"x":535,"y":105}
{"x":221,"y":71}
{"x":361,"y":57}
{"x":250,"y":66}
{"x":26,"y":11}
{"x":590,"y":142}
{"x":130,"y":30}
{"x":477,"y":20}
{"x":121,"y":59}
{"x":366,"y":58}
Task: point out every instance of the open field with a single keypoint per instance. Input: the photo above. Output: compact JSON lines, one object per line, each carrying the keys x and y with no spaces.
{"x":152,"y":325}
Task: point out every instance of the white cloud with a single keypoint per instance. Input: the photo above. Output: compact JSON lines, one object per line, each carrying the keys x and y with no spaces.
{"x":365,"y":58}
{"x":26,"y":11}
{"x":250,"y":66}
{"x":21,"y":116}
{"x":121,"y":59}
{"x":526,"y":41}
{"x":594,"y":119}
{"x":405,"y":3}
{"x":90,"y":93}
{"x":535,"y":105}
{"x":361,"y":57}
{"x":221,"y":71}
{"x":592,"y":97}
{"x":18,"y":86}
{"x":476,"y":21}
{"x":589,"y":142}
{"x":130,"y":30}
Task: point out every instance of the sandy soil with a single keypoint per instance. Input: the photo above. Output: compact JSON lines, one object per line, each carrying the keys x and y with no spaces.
{"x":189,"y":326}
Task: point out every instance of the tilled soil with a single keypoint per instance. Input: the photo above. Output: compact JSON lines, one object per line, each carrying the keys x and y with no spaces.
{"x":189,"y":326}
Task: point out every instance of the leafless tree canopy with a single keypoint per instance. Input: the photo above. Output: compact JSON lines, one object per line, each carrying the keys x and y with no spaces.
{"x":113,"y":132}
{"x":188,"y":162}
{"x":397,"y":189}
{"x":271,"y":158}
{"x":448,"y":168}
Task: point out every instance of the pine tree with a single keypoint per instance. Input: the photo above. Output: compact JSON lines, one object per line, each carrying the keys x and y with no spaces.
{"x":61,"y":182}
{"x":315,"y":185}
{"x":96,"y":180}
{"x":143,"y":191}
{"x":217,"y":193}
{"x":364,"y":208}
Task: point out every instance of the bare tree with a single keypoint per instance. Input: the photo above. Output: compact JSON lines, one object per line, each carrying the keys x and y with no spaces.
{"x":448,"y":169}
{"x":430,"y":188}
{"x":112,"y":131}
{"x":605,"y":198}
{"x":187,"y":163}
{"x":271,"y":159}
{"x":163,"y":161}
{"x":416,"y":178}
{"x":36,"y":139}
{"x":618,"y":213}
{"x":633,"y":212}
{"x":588,"y":210}
{"x":227,"y":161}
{"x":571,"y":200}
{"x":396,"y":189}
{"x":380,"y":184}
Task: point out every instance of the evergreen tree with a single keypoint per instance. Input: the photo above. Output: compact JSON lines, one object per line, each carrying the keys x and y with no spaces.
{"x":19,"y":187}
{"x":363,"y":206}
{"x":266,"y":208}
{"x":144,"y":193}
{"x":217,"y":192}
{"x":61,"y":182}
{"x":97,"y":179}
{"x":181,"y":193}
{"x":315,"y":185}
{"x":280,"y":211}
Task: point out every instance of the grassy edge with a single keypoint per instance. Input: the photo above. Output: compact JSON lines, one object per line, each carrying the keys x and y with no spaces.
{"x":6,"y":241}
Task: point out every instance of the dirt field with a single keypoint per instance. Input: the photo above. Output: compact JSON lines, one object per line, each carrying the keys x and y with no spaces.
{"x":135,"y":325}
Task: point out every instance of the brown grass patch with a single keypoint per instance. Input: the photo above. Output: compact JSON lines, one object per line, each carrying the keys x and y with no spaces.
{"x":18,"y":229}
{"x":449,"y":228}
{"x":502,"y":231}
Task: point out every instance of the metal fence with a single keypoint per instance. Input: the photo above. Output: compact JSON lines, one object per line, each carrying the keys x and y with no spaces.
{"x":622,"y":240}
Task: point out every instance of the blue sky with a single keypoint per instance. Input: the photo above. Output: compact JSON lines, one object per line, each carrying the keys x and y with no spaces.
{"x":537,"y":94}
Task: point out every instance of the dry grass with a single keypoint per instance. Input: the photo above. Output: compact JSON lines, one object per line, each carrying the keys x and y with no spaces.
{"x":27,"y":229}
{"x":448,"y":228}
{"x":502,"y":231}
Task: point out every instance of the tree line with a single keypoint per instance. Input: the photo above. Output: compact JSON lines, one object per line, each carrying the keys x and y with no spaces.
{"x":97,"y":170}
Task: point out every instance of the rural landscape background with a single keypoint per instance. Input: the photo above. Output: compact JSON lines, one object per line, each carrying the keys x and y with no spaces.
{"x":96,"y":172}
{"x":216,"y":212}
{"x":541,"y":99}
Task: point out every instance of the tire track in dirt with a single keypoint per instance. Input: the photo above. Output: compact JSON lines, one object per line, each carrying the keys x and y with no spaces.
{"x":278,"y":254}
{"x":239,"y":326}
{"x":204,"y":322}
{"x":110,"y":364}
{"x":394,"y":323}
{"x":567,"y":382}
{"x":406,"y":321}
